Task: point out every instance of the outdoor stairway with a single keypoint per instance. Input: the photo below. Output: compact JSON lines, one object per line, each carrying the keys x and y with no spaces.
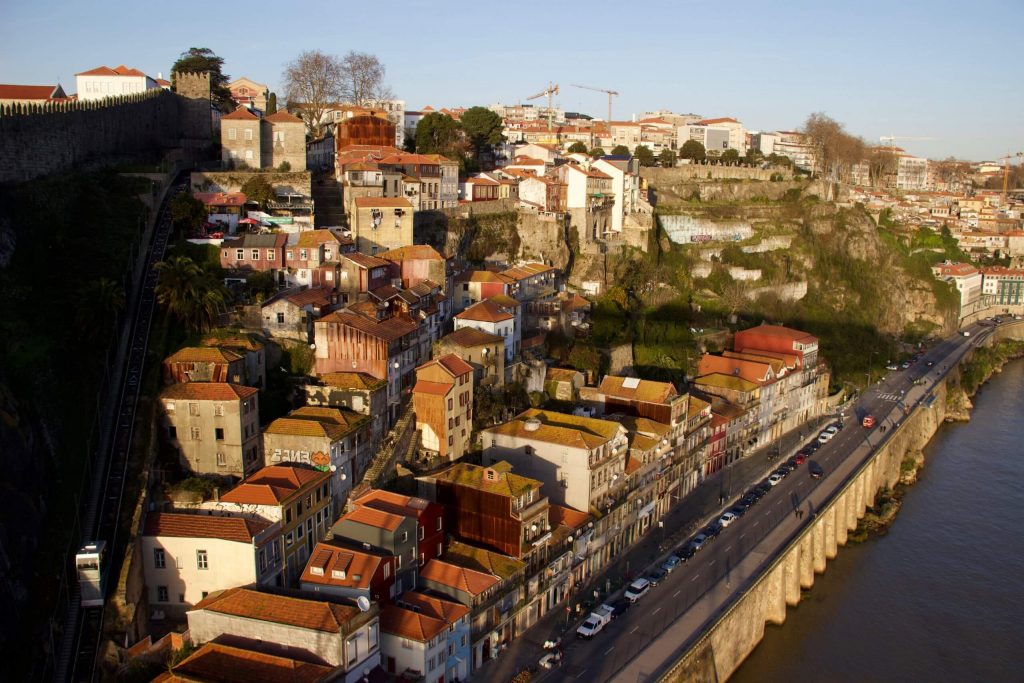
{"x":398,"y":444}
{"x":327,"y":206}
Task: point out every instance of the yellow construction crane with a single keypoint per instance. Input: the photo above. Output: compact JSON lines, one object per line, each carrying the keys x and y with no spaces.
{"x":550,"y":92}
{"x":610,"y":93}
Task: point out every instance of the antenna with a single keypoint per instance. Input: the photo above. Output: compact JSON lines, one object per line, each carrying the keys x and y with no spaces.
{"x":363,"y":603}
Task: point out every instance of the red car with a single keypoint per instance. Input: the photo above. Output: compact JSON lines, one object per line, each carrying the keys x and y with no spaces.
{"x":801,"y":458}
{"x":869,"y":421}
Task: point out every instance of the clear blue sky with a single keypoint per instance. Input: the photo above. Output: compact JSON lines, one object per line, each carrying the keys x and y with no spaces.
{"x":938,"y":69}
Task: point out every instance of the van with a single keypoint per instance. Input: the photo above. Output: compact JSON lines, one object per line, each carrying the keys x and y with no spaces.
{"x":637,"y":590}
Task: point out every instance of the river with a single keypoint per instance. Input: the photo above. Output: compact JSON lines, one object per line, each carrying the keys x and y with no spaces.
{"x":941,"y":596}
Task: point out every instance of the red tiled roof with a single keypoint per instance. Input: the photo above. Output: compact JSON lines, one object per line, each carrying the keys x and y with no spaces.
{"x":240,"y":114}
{"x":365,"y":260}
{"x":469,"y":337}
{"x":274,"y":484}
{"x":107,"y":71}
{"x":221,"y":663}
{"x":315,"y":615}
{"x":439,"y":608}
{"x":26,"y":92}
{"x":352,"y":380}
{"x":405,"y":623}
{"x":341,"y":566}
{"x":559,"y":514}
{"x":281,"y":116}
{"x":182,"y":525}
{"x":203,"y":354}
{"x":485,"y":311}
{"x":388,"y":330}
{"x":433,"y":388}
{"x":317,"y":296}
{"x":208,"y":391}
{"x":372,"y":517}
{"x":412,"y":251}
{"x":462,"y":579}
{"x":396,"y":503}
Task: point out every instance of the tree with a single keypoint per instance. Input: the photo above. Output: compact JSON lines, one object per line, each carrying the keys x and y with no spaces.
{"x":272,"y":104}
{"x":730,"y":155}
{"x":187,"y":212}
{"x":577,"y":148}
{"x":188,"y":293}
{"x":620,"y":151}
{"x":692,"y":150}
{"x":644,"y":155}
{"x":754,"y":156}
{"x":882,"y":162}
{"x":835,"y":151}
{"x":313,"y":82}
{"x":667,"y":158}
{"x":100,"y":302}
{"x":363,"y":79}
{"x":596,"y":153}
{"x":779,"y":160}
{"x":438,"y":133}
{"x":204,"y":60}
{"x":258,"y":189}
{"x":483,"y":129}
{"x":409,"y":145}
{"x":585,"y":356}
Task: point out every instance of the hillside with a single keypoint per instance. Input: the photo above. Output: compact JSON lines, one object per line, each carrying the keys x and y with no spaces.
{"x":731,"y":253}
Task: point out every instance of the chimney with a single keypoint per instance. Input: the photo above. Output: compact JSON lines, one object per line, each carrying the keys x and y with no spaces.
{"x":216,"y":494}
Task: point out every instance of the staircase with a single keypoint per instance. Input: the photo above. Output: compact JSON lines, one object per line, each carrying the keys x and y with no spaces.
{"x":399,"y":445}
{"x":329,"y":211}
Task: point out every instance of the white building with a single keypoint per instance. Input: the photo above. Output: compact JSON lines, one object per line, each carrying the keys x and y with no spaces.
{"x":103,"y":81}
{"x":493,"y":318}
{"x":413,"y":644}
{"x":911,"y":173}
{"x":625,"y":177}
{"x":581,"y":460}
{"x":187,"y":556}
{"x":967,"y":279}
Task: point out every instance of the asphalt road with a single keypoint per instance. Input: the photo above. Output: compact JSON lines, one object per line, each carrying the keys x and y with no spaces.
{"x":677,"y":611}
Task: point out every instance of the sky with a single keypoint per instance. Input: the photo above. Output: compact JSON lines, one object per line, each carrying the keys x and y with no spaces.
{"x":946,"y":71}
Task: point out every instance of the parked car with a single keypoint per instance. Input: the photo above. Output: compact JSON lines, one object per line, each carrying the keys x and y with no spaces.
{"x":800,"y":458}
{"x":892,"y":366}
{"x":749,"y":500}
{"x":670,"y":563}
{"x":765,"y":487}
{"x":824,"y":438}
{"x":784,"y":469}
{"x":833,"y":429}
{"x":656,"y":575}
{"x":727,"y":519}
{"x":619,"y":607}
{"x":597,"y":620}
{"x":775,"y":478}
{"x":868,"y":421}
{"x":698,"y":541}
{"x":686,"y":551}
{"x":712,"y":530}
{"x":816,"y":471}
{"x":739,"y":509}
{"x":759,"y":491}
{"x":637,"y":590}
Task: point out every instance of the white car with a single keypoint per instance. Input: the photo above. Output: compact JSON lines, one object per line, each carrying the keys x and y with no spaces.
{"x":727,"y":519}
{"x":775,"y":479}
{"x":832,"y":429}
{"x":824,"y":437}
{"x":637,"y":590}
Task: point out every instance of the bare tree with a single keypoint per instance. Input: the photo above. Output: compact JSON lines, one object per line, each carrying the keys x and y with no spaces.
{"x":313,"y":82}
{"x":363,"y":82}
{"x":881,"y":163}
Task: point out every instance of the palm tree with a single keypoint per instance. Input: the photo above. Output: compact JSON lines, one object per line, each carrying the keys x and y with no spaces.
{"x":191,"y":295}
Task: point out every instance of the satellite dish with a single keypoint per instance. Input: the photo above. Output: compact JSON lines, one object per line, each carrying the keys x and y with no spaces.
{"x":334,"y":468}
{"x":363,"y":603}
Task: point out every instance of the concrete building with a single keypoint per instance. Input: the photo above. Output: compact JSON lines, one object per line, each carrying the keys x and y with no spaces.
{"x":290,"y":315}
{"x":215,"y":426}
{"x":495,"y":319}
{"x":204,"y":364}
{"x":331,"y":440}
{"x":413,"y":645}
{"x":967,"y":279}
{"x":241,"y":139}
{"x":298,"y":498}
{"x":334,"y":633}
{"x":283,"y":143}
{"x":102,"y":82}
{"x":185,"y":557}
{"x":381,"y":224}
{"x":356,"y":391}
{"x":1003,"y":286}
{"x":443,"y":401}
{"x":387,"y":532}
{"x":625,"y":187}
{"x":456,"y":616}
{"x":431,"y":529}
{"x":580,"y":460}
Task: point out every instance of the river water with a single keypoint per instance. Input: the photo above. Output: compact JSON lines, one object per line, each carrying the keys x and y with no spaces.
{"x":941,"y":596}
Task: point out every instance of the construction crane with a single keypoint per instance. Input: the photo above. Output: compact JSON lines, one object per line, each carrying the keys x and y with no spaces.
{"x":893,"y":138}
{"x":610,"y":93}
{"x":1006,"y":171}
{"x":550,"y":92}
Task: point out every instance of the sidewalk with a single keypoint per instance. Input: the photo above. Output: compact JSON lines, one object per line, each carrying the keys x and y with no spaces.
{"x":692,"y":512}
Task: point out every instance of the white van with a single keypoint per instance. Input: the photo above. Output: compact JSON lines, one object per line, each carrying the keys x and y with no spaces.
{"x":637,"y":590}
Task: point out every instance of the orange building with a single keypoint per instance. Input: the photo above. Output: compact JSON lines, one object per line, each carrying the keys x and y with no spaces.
{"x":364,"y":129}
{"x":443,"y":401}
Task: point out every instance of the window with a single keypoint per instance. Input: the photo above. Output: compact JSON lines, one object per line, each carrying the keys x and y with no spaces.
{"x":439,"y":550}
{"x":329,"y":276}
{"x":387,"y":570}
{"x":280,"y":318}
{"x":451,"y":423}
{"x":221,"y":460}
{"x":248,"y":134}
{"x":353,"y":649}
{"x":232,"y":134}
{"x":239,"y":254}
{"x":172,"y":432}
{"x":299,"y":532}
{"x":422,"y":533}
{"x":218,"y":410}
{"x":405,"y":536}
{"x":438,"y":523}
{"x":302,"y":254}
{"x":450,"y":404}
{"x":181,"y":597}
{"x":161,"y":594}
{"x":263,"y":560}
{"x":218,"y":433}
{"x":287,"y":515}
{"x":193,"y":409}
{"x":195,"y":434}
{"x":255,"y":254}
{"x":288,"y":540}
{"x":248,"y":154}
{"x":271,"y":256}
{"x":202,"y":561}
{"x":159,"y":558}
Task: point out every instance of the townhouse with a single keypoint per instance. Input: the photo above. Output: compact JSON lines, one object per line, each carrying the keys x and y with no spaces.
{"x":429,"y":517}
{"x":381,"y":223}
{"x":204,"y":364}
{"x":443,"y":401}
{"x":220,"y":662}
{"x":456,"y":616}
{"x":474,"y":590}
{"x":414,"y":645}
{"x":483,"y":351}
{"x":493,"y":318}
{"x":356,"y":391}
{"x":254,"y":253}
{"x":350,"y":572}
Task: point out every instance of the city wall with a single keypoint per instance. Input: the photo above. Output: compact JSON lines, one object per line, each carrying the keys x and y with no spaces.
{"x":737,"y":631}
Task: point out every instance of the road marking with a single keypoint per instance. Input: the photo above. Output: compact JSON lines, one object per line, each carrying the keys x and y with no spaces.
{"x":728,"y":549}
{"x":656,"y":611}
{"x":634,"y":629}
{"x":694,"y":578}
{"x":711,"y":562}
{"x":580,"y":674}
{"x":676,"y":594}
{"x":609,"y":649}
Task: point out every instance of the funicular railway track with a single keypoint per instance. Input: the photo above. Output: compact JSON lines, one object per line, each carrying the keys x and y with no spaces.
{"x":76,"y":660}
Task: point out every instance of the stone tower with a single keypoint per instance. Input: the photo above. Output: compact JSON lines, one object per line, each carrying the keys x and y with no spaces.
{"x":196,"y":115}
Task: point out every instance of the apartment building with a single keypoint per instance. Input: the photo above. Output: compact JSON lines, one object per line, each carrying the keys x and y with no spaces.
{"x":343,"y":570}
{"x":443,"y":401}
{"x":215,"y":426}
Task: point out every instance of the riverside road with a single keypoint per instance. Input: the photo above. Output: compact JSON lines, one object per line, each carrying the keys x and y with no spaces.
{"x":645,"y":641}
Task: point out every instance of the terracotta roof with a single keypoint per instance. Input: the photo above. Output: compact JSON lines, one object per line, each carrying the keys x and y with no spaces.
{"x":107,"y":71}
{"x":405,"y":623}
{"x":485,"y":311}
{"x":305,"y":422}
{"x":221,"y":663}
{"x":632,"y":465}
{"x":469,"y":337}
{"x":459,"y":578}
{"x":316,"y":296}
{"x":240,"y":114}
{"x":412,"y":251}
{"x":262,"y":241}
{"x":315,"y":615}
{"x":335,"y":565}
{"x":482,"y":276}
{"x":631,"y":388}
{"x":382,"y":202}
{"x":373,"y":517}
{"x":203,"y":354}
{"x":710,"y":122}
{"x":560,"y":428}
{"x":504,"y":300}
{"x":483,"y":560}
{"x":365,"y":260}
{"x":314,"y":238}
{"x":388,"y":330}
{"x":696,"y":406}
{"x":527,"y":270}
{"x":221,"y":199}
{"x":26,"y":92}
{"x":352,"y":380}
{"x":274,"y":485}
{"x":281,"y":116}
{"x":752,"y":371}
{"x":433,"y":388}
{"x":559,"y":514}
{"x":397,"y":504}
{"x":208,"y":391}
{"x":449,"y":611}
{"x":561,"y":374}
{"x":501,"y":481}
{"x":183,"y":525}
{"x":451,"y":364}
{"x":481,"y":181}
{"x":782,"y":332}
{"x":241,"y":342}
